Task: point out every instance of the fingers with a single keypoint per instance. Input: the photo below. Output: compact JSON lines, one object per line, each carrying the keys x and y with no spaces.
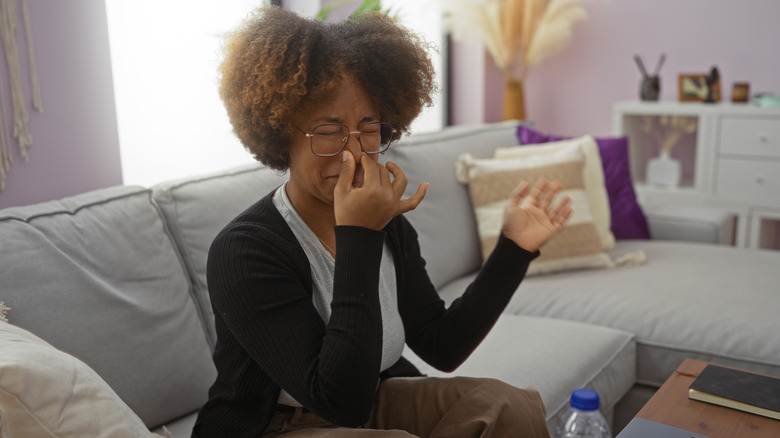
{"x":413,"y":201}
{"x":370,"y":174}
{"x":519,"y":192}
{"x":564,"y":203}
{"x":542,"y":195}
{"x":399,"y":179}
{"x":560,"y":215}
{"x":536,"y":196}
{"x":373,"y":172}
{"x":536,"y":192}
{"x":347,"y":172}
{"x":564,"y":215}
{"x":549,"y":194}
{"x":399,"y":187}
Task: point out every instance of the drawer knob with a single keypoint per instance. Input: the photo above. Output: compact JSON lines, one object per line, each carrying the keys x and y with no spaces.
{"x":759,"y":179}
{"x":763,"y":138}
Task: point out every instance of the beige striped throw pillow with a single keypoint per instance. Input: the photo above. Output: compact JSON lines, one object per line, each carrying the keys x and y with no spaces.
{"x":490,"y":183}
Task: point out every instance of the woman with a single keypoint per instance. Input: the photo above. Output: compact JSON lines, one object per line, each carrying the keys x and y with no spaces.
{"x":317,"y":287}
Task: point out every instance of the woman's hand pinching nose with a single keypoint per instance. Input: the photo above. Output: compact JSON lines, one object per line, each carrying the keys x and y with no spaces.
{"x":378,"y":200}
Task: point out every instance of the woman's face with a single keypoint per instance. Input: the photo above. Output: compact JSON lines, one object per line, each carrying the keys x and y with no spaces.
{"x":313,"y":178}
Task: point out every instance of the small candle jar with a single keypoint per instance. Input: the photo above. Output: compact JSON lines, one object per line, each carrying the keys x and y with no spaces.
{"x":740,"y":93}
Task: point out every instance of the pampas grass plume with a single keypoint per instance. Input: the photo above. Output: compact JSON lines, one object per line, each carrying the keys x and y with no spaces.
{"x":518,"y":34}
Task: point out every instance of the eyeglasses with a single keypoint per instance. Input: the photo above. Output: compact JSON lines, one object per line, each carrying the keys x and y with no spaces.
{"x":330,"y":139}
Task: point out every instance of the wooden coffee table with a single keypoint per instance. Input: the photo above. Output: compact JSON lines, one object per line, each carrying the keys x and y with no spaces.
{"x":671,"y":405}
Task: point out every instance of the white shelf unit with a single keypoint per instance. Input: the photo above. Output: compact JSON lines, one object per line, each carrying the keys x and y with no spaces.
{"x":732,"y":161}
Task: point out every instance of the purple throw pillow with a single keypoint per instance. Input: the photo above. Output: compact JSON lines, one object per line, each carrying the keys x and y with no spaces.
{"x":628,"y":219}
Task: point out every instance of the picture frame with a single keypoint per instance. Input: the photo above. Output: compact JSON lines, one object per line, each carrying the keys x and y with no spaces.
{"x":698,"y":87}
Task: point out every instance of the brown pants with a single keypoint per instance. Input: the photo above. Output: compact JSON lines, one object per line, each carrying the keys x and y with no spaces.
{"x":428,"y":407}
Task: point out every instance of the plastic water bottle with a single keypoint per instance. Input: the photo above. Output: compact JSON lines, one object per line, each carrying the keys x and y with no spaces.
{"x":583,"y":420}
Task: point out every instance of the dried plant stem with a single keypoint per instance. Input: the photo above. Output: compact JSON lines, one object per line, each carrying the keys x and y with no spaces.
{"x":21,"y":131}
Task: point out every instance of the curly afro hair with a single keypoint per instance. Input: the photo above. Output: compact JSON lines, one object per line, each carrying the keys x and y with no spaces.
{"x":277,"y":63}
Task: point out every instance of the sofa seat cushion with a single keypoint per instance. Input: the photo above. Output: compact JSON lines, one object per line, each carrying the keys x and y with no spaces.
{"x":97,"y":276}
{"x":554,"y":356}
{"x":709,"y":302}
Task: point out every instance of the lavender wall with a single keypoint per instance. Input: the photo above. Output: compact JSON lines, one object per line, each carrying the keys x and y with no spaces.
{"x":75,"y":142}
{"x":573,"y":92}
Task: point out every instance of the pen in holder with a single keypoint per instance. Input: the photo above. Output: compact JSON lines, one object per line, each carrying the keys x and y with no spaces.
{"x":650,"y":87}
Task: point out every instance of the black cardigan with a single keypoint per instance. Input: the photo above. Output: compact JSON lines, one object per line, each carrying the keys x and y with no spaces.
{"x":269,"y":335}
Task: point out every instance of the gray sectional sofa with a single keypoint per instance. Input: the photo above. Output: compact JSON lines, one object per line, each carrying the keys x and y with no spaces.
{"x":116,"y":277}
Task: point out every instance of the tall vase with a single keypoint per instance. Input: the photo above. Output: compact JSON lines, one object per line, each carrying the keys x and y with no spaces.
{"x":514,"y":100}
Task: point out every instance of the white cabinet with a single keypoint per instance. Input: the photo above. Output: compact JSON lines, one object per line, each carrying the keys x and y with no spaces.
{"x":749,"y":157}
{"x":728,"y":155}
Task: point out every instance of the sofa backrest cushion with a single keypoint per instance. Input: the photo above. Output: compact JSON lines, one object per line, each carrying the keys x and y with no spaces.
{"x":197,"y":208}
{"x":97,"y":276}
{"x":445,"y":219}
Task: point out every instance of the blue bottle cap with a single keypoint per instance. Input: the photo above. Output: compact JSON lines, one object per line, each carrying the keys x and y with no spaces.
{"x":585,"y":399}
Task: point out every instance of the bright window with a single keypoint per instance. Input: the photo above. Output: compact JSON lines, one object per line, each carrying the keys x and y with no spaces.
{"x":164,"y":57}
{"x":424,"y":16}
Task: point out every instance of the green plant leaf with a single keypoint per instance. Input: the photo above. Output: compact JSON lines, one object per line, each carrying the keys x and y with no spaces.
{"x":325,"y":12}
{"x":368,"y":5}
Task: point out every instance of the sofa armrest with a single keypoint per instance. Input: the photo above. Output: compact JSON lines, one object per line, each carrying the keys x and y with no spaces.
{"x":693,"y":223}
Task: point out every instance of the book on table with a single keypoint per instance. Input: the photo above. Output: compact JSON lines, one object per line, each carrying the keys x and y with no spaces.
{"x":738,"y":389}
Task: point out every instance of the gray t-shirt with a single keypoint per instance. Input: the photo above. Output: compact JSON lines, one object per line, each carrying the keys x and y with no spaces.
{"x":322,"y":268}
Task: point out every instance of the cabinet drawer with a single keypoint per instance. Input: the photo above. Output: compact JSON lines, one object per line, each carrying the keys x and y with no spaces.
{"x":749,"y":178}
{"x":758,"y":136}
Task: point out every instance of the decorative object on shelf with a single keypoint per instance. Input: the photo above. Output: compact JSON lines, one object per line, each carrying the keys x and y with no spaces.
{"x":650,"y":87}
{"x":665,"y":171}
{"x":740,"y":92}
{"x":518,"y":34}
{"x":766,"y":100}
{"x":713,"y":82}
{"x":699,"y":87}
{"x":692,"y":87}
{"x":8,"y":31}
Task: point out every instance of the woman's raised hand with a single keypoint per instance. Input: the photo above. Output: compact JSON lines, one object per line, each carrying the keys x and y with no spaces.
{"x":530,"y":218}
{"x":378,"y":200}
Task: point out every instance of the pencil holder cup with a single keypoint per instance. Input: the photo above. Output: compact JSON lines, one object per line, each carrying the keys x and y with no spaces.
{"x":650,"y":88}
